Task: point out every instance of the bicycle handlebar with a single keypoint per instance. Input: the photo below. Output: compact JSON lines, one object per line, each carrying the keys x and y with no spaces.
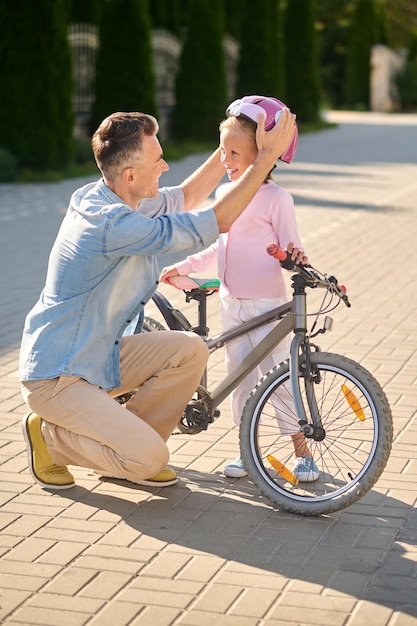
{"x":312,"y":277}
{"x":283,"y":256}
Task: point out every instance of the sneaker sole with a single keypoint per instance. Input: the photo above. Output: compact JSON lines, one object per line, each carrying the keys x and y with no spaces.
{"x":30,"y":460}
{"x":153,"y":483}
{"x":230,"y":473}
{"x":307,"y":479}
{"x":142,"y":483}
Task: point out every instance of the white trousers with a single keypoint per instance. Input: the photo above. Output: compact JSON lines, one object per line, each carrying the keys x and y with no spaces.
{"x":234,"y":312}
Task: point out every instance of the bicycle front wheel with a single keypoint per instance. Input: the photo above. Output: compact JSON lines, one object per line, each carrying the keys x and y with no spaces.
{"x":354,"y":443}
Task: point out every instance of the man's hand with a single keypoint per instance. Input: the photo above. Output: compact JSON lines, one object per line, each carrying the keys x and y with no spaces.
{"x":271,"y":144}
{"x":276,"y":140}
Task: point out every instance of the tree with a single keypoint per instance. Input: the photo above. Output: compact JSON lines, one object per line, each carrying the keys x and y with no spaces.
{"x":35,"y":83}
{"x":200,"y":87}
{"x":406,"y":79}
{"x":125,"y":78}
{"x":332,"y":23}
{"x":261,"y":62}
{"x":334,"y":17}
{"x":366,"y":30}
{"x":401,"y":19}
{"x":303,"y":87}
{"x":233,"y":17}
{"x":84,"y":11}
{"x":167,"y":14}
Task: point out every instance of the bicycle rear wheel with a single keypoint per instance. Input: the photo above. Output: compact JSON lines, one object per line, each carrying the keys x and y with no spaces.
{"x":355,"y":445}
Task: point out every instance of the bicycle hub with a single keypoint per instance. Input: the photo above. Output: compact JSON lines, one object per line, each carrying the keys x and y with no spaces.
{"x":317,"y":433}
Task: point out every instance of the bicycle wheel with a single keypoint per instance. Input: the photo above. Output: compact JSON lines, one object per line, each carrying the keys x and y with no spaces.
{"x":355,"y":445}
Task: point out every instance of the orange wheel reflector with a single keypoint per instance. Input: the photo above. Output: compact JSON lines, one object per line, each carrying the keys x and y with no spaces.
{"x":282,"y":470}
{"x":353,"y":403}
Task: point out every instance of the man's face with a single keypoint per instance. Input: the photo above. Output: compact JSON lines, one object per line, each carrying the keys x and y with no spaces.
{"x":148,"y":169}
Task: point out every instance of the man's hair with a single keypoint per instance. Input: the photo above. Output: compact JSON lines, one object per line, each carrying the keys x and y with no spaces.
{"x":117,"y":142}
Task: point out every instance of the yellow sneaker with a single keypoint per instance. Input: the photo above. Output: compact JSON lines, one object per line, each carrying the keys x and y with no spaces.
{"x":43,"y":470}
{"x":165,"y":478}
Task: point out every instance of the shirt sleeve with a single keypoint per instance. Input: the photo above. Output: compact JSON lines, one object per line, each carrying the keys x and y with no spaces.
{"x":129,"y":232}
{"x":169,"y":200}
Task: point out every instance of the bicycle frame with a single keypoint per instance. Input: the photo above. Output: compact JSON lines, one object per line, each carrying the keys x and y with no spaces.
{"x":255,"y":356}
{"x":341,"y":409}
{"x":291,"y":316}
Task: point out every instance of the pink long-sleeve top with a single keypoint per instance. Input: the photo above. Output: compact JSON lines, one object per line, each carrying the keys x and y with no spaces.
{"x":243,"y":265}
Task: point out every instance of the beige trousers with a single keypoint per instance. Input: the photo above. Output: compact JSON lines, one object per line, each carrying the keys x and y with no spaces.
{"x":83,"y":425}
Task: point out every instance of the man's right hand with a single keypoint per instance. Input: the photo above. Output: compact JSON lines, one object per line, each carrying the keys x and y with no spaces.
{"x":271,"y":144}
{"x":275,"y":141}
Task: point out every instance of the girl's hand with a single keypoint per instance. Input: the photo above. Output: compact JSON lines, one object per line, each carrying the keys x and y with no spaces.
{"x":297,"y":255}
{"x":167,"y":272}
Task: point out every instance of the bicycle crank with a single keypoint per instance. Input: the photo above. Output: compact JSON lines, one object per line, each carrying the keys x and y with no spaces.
{"x":198,"y":414}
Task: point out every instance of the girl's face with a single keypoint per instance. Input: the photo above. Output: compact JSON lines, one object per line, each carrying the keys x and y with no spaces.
{"x":238,"y":151}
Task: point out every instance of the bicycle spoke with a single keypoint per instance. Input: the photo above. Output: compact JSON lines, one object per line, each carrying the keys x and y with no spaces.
{"x":350,"y":448}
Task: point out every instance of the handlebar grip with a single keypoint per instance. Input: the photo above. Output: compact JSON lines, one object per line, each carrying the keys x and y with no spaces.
{"x":333,"y":279}
{"x":283,"y":256}
{"x":341,"y":290}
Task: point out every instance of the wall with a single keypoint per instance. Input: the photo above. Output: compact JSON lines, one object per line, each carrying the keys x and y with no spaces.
{"x":385,"y":63}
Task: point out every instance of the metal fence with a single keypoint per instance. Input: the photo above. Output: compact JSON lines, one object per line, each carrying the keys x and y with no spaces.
{"x":84,"y":43}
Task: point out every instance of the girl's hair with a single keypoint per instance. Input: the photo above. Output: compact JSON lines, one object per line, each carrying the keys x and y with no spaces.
{"x":243,"y":125}
{"x":117,"y":143}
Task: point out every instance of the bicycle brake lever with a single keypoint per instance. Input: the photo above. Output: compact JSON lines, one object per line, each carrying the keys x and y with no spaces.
{"x":340,"y":290}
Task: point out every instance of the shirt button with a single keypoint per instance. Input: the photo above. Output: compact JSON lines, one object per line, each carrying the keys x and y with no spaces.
{"x":116,"y":343}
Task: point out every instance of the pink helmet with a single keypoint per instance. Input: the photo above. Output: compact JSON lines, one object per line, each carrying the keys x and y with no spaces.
{"x":251,"y":106}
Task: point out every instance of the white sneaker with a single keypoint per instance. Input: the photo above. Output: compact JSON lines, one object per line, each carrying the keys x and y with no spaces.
{"x":235,"y":469}
{"x":305,"y":469}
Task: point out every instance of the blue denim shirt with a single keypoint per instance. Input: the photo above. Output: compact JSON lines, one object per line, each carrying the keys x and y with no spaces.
{"x":103,"y":268}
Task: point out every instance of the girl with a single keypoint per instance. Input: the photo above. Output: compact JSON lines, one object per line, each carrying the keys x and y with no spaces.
{"x":251,"y":281}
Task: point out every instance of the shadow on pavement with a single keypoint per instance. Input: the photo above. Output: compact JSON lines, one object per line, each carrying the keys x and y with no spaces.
{"x":367,"y":550}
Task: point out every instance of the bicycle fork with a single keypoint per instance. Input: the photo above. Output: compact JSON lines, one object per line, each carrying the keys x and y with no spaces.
{"x":302,"y":369}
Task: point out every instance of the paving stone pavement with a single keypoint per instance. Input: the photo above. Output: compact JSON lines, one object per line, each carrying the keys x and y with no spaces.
{"x":211,"y":550}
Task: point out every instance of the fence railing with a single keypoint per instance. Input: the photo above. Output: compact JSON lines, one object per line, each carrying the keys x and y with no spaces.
{"x":84,"y":43}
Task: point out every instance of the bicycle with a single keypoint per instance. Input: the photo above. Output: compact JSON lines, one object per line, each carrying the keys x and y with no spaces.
{"x":335,"y":402}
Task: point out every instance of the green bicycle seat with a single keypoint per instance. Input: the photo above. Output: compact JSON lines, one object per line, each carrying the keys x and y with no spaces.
{"x":186,"y":283}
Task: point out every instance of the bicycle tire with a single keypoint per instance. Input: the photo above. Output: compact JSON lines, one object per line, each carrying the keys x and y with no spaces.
{"x":150,"y":325}
{"x":352,"y":454}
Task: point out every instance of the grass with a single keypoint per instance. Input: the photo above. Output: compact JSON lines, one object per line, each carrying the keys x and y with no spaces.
{"x":172,"y":152}
{"x":54,"y":176}
{"x":85,"y":165}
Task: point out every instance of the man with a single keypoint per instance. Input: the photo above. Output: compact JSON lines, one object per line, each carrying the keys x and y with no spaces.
{"x":103,"y":268}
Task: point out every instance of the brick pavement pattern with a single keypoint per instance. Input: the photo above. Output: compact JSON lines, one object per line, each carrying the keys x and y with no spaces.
{"x":211,"y":549}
